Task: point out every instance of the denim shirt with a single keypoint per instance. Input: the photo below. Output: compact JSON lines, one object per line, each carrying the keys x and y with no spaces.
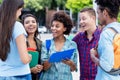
{"x":106,"y":52}
{"x":58,"y":70}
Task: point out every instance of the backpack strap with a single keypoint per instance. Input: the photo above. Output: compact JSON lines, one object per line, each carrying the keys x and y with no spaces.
{"x":114,"y":29}
{"x":112,"y":71}
{"x":48,"y":44}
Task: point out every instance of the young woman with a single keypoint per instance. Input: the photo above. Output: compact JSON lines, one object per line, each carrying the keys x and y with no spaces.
{"x":30,"y":23}
{"x":14,"y":57}
{"x":61,"y":25}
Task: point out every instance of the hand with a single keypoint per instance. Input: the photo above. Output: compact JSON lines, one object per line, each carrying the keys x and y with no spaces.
{"x":39,"y":68}
{"x":70,"y":63}
{"x":46,"y":65}
{"x":94,"y":56}
{"x":93,"y":51}
{"x":36,"y":69}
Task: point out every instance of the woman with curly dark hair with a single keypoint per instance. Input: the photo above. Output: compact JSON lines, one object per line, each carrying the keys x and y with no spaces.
{"x":61,"y":24}
{"x":107,"y":14}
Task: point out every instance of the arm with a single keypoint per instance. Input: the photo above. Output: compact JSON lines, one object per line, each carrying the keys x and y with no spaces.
{"x":38,"y":68}
{"x":44,"y":57}
{"x":22,"y":48}
{"x":73,"y":61}
{"x":71,"y":64}
{"x":46,"y":65}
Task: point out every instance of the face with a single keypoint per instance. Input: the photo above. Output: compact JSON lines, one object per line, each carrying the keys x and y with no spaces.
{"x":18,"y":13}
{"x":86,"y":21}
{"x":30,"y":25}
{"x":57,"y":29}
{"x":101,"y":16}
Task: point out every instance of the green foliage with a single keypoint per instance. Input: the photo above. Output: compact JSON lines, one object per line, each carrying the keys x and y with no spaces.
{"x":77,"y":5}
{"x":119,"y":17}
{"x":0,"y":1}
{"x":61,"y":3}
{"x":37,"y":5}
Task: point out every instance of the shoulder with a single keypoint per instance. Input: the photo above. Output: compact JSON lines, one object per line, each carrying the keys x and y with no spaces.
{"x":38,"y":41}
{"x":18,"y":29}
{"x":70,"y":42}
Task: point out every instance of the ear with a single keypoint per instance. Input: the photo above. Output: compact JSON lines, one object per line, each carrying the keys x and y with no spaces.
{"x":65,"y":29}
{"x":105,"y":13}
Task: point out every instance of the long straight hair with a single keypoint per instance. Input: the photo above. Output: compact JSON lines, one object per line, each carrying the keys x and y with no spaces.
{"x":8,"y":11}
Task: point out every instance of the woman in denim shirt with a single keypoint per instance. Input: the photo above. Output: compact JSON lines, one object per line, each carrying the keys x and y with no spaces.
{"x":61,"y":24}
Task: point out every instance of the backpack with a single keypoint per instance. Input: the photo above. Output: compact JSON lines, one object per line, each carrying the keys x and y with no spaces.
{"x":116,"y":45}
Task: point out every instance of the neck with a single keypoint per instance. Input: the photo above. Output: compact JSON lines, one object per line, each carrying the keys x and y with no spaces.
{"x":31,"y":36}
{"x":108,"y":21}
{"x":92,"y":30}
{"x":59,"y":39}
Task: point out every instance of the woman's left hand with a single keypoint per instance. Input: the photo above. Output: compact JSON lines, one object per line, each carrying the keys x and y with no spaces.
{"x":70,"y":63}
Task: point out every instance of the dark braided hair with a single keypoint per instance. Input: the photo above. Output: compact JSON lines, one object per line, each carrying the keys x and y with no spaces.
{"x":112,"y":7}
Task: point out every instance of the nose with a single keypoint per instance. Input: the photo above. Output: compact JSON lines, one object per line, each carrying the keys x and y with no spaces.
{"x":53,"y":27}
{"x":81,"y":21}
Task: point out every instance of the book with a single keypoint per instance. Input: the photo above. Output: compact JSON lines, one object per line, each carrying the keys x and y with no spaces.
{"x":34,"y":60}
{"x":62,"y":55}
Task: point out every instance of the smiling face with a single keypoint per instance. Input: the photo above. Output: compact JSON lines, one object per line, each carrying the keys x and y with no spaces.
{"x":57,"y":29}
{"x":86,"y":21}
{"x":30,"y":25}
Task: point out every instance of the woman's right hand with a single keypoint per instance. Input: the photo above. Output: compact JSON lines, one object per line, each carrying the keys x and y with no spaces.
{"x":38,"y":68}
{"x":46,"y":65}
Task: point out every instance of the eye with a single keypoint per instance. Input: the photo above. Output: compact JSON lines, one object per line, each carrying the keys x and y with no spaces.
{"x":27,"y":22}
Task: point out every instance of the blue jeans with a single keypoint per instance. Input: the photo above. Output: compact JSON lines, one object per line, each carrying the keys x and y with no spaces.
{"x":21,"y":77}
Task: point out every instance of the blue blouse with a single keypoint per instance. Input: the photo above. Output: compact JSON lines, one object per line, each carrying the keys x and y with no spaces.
{"x":58,"y":70}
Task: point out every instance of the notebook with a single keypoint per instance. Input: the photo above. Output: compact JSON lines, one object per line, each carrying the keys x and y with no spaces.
{"x":34,"y":60}
{"x":62,"y":55}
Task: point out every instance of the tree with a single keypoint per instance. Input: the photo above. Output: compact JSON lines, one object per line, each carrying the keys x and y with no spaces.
{"x":37,"y":5}
{"x":0,"y":1}
{"x":77,"y":5}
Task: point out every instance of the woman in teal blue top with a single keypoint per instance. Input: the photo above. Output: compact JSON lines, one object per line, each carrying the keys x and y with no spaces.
{"x":60,"y":25}
{"x":14,"y":58}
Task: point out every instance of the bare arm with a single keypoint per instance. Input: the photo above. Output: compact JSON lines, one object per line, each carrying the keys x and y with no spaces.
{"x":22,"y":48}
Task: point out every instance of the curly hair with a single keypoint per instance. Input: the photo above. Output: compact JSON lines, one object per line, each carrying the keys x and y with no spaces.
{"x":112,"y":7}
{"x":65,"y":19}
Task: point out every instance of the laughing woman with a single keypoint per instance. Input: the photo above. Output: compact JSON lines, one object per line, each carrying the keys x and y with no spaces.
{"x":61,"y":25}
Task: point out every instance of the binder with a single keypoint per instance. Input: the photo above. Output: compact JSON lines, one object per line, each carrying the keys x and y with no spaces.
{"x":35,"y":56}
{"x":62,"y":55}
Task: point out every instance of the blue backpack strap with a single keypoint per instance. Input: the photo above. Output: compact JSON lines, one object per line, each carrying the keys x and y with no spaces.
{"x":48,"y":44}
